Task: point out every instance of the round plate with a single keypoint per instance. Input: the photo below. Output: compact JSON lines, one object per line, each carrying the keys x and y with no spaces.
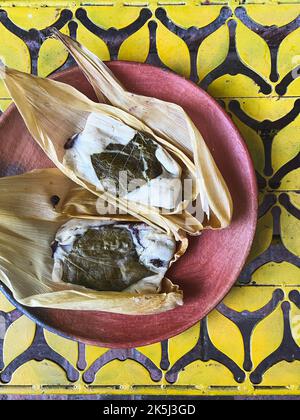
{"x":213,"y":261}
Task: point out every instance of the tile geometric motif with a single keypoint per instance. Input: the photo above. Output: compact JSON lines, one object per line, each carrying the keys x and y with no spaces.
{"x":262,"y":313}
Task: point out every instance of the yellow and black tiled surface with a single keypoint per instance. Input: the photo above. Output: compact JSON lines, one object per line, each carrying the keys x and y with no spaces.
{"x":246,"y":55}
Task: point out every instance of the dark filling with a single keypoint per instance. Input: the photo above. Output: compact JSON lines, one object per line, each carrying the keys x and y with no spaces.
{"x":158,"y":263}
{"x":70,"y":142}
{"x":54,"y":200}
{"x":137,"y":158}
{"x":54,"y":246}
{"x":104,"y":259}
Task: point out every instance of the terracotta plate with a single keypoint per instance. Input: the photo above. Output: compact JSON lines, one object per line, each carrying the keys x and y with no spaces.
{"x":214,"y":260}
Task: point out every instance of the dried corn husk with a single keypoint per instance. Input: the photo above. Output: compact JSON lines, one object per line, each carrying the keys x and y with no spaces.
{"x":28,"y":225}
{"x":167,"y":120}
{"x":54,"y":112}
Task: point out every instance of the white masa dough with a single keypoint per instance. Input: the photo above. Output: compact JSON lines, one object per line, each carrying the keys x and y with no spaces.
{"x":100,"y":130}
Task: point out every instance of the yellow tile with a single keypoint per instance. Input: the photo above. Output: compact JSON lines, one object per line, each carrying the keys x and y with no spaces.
{"x":290,"y":227}
{"x":273,"y":14}
{"x":123,"y":374}
{"x":267,"y":336}
{"x":39,"y":373}
{"x":279,"y":274}
{"x":294,"y":88}
{"x":234,"y":87}
{"x":203,"y":374}
{"x":289,"y":53}
{"x":153,"y":352}
{"x":263,"y":236}
{"x":182,"y":343}
{"x":286,"y":144}
{"x":93,"y":43}
{"x":14,"y":53}
{"x":267,"y":108}
{"x":291,"y":181}
{"x":4,"y":104}
{"x":295,"y":199}
{"x":19,"y":337}
{"x":254,"y":143}
{"x":253,"y":50}
{"x":220,"y":328}
{"x":117,"y":17}
{"x":92,"y":353}
{"x":52,"y":55}
{"x":192,"y":15}
{"x":218,"y":42}
{"x":248,"y":298}
{"x":33,"y":17}
{"x":67,"y":348}
{"x":136,"y":47}
{"x":169,"y":47}
{"x":5,"y":305}
{"x":295,"y":323}
{"x":282,"y":374}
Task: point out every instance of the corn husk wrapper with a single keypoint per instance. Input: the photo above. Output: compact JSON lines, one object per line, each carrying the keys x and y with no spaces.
{"x":54,"y":112}
{"x":28,"y":225}
{"x":169,"y":121}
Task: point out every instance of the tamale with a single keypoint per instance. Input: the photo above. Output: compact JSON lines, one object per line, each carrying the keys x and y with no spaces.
{"x":44,"y":208}
{"x":167,"y":120}
{"x":93,"y":144}
{"x":111,"y":256}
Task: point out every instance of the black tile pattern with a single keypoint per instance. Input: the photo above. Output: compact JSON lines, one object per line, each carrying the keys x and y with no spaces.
{"x":269,"y":184}
{"x":233,"y":65}
{"x":272,"y":35}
